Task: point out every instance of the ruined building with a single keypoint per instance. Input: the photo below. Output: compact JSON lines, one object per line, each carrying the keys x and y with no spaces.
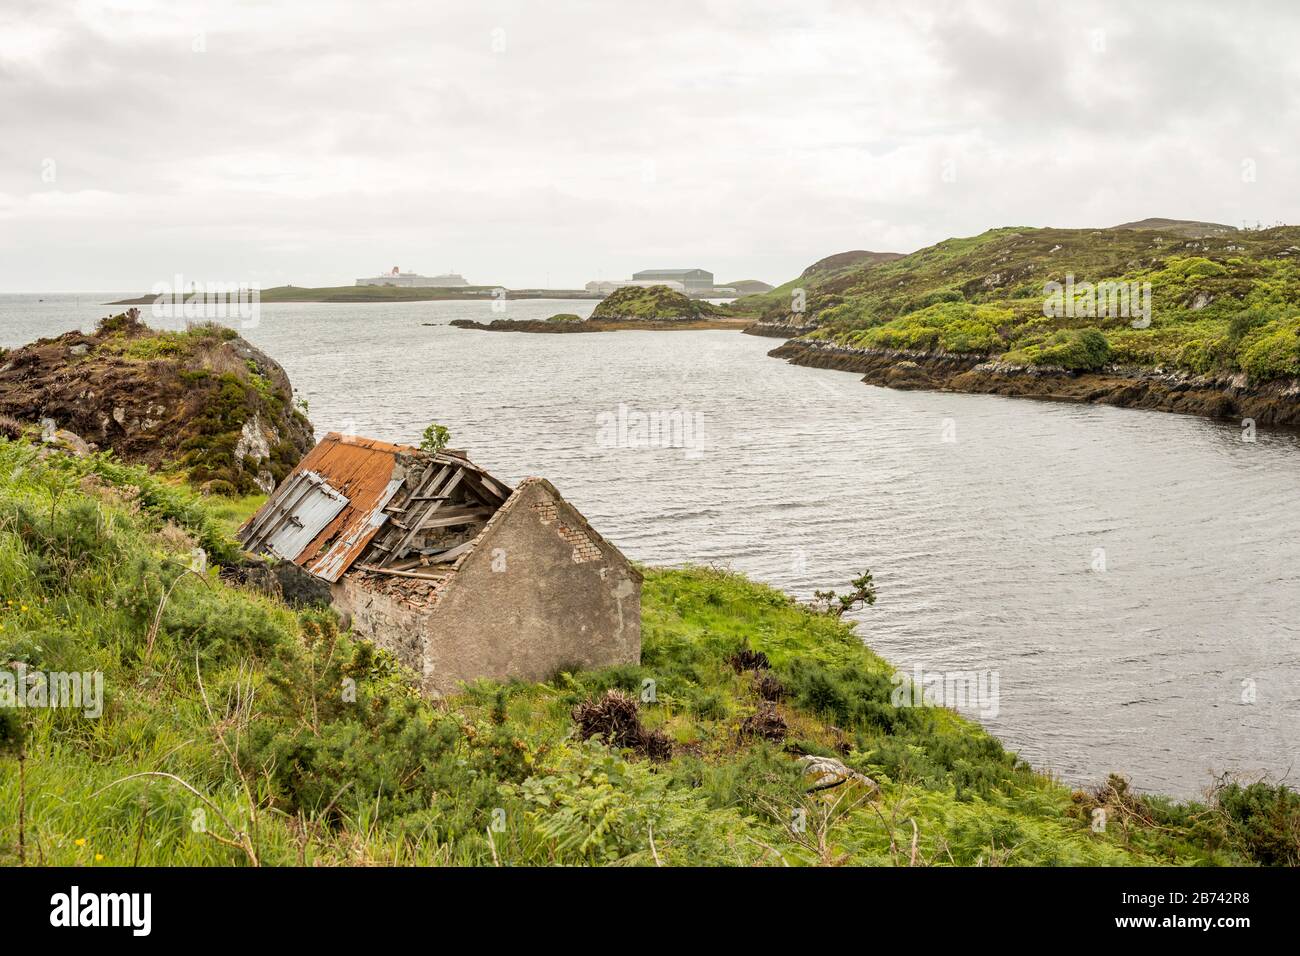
{"x":455,"y":573}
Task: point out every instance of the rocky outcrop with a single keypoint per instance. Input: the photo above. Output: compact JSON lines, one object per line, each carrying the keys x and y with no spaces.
{"x":203,"y":401}
{"x":655,"y":303}
{"x":524,"y":325}
{"x":281,"y":579}
{"x":827,"y":772}
{"x":780,"y":328}
{"x":1224,"y":396}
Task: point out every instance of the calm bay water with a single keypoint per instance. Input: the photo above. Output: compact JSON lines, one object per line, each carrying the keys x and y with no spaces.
{"x":1129,"y":575}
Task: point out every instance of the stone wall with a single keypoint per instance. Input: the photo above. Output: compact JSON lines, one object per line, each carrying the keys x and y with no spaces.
{"x":396,"y":628}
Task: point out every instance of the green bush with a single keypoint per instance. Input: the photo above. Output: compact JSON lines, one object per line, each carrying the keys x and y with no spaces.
{"x":593,"y":806}
{"x":1272,"y":350}
{"x":1080,"y":350}
{"x":1266,"y":820}
{"x":950,"y":325}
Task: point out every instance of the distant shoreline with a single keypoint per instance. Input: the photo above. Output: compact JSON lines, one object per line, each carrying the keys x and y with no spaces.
{"x":605,"y":325}
{"x":371,"y":293}
{"x":366,"y":293}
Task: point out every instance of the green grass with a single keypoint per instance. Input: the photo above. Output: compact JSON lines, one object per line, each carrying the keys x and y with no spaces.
{"x":302,"y":746}
{"x":159,"y":344}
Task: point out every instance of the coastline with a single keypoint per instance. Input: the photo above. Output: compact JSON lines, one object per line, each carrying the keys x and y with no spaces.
{"x":1209,"y":396}
{"x":778,"y":330}
{"x":686,"y":604}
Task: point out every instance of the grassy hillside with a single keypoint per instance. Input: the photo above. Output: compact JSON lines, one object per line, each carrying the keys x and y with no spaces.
{"x":748,"y":286}
{"x":1189,"y":228}
{"x":236,"y":731}
{"x":1222,"y":304}
{"x":826,"y":275}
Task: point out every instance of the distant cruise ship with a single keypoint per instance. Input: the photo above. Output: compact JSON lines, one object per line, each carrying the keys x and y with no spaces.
{"x":414,"y":280}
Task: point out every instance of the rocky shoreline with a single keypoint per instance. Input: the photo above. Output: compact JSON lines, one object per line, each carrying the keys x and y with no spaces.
{"x":1222,"y":397}
{"x":778,"y":330}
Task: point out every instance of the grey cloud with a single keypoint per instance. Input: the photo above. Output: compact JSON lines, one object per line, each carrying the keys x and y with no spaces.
{"x":311,"y":142}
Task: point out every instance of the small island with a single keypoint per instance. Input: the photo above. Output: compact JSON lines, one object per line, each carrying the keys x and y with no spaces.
{"x":655,"y":308}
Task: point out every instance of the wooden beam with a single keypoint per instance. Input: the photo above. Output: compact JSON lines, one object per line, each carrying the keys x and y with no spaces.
{"x":401,"y":574}
{"x":445,"y":519}
{"x":415,"y":524}
{"x":428,"y":480}
{"x":474,"y":482}
{"x":452,"y":554}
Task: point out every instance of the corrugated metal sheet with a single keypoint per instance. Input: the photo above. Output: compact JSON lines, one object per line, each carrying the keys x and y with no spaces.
{"x":349,"y":545}
{"x":364,"y":471}
{"x":315,"y":506}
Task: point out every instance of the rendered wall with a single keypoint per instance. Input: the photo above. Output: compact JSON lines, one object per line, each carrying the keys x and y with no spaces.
{"x":539,"y":593}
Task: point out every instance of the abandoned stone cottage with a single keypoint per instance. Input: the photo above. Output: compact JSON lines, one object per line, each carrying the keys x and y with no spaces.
{"x":455,"y":573}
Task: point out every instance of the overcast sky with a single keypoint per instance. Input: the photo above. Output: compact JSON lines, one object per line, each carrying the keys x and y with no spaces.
{"x":530,"y":144}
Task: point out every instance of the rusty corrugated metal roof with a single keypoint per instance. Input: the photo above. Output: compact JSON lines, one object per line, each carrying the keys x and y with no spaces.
{"x":368,"y":473}
{"x":365,"y":471}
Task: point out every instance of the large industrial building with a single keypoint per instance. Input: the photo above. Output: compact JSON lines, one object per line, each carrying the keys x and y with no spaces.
{"x":693,"y":280}
{"x":413,"y":280}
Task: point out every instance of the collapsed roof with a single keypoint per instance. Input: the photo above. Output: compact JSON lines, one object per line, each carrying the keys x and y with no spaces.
{"x":384,"y":509}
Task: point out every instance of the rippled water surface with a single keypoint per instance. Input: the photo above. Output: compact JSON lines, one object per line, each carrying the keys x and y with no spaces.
{"x":1129,"y":575}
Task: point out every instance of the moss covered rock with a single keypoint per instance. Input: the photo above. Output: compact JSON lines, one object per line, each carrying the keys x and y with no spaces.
{"x":203,"y":401}
{"x":651,"y":302}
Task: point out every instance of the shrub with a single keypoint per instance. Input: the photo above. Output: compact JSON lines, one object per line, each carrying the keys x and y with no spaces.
{"x":435,"y":438}
{"x":1272,"y":351}
{"x":1078,"y":350}
{"x":614,"y":718}
{"x":746,"y":659}
{"x":592,"y":806}
{"x":850,"y":696}
{"x":1266,"y":820}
